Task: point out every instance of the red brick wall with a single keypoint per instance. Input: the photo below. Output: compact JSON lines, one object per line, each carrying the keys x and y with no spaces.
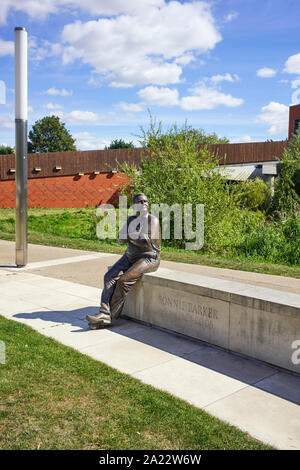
{"x":66,"y":191}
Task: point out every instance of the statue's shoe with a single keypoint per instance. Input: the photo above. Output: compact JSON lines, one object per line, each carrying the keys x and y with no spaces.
{"x":100,"y":320}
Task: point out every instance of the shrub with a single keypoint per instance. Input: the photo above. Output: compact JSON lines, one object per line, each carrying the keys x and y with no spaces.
{"x":253,"y":194}
{"x":286,"y":198}
{"x":275,"y":240}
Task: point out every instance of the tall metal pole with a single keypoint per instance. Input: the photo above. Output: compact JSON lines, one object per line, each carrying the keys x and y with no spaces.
{"x":21,"y":110}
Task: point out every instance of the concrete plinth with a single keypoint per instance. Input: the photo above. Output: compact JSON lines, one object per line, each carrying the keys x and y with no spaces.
{"x":261,"y":323}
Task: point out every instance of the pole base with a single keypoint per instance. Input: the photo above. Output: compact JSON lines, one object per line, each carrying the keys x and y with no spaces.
{"x":21,"y":258}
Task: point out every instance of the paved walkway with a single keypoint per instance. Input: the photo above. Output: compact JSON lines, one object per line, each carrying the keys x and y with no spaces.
{"x":58,"y":287}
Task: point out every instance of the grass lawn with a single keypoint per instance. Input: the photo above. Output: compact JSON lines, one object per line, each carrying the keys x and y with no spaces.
{"x":53,"y":397}
{"x":48,"y":227}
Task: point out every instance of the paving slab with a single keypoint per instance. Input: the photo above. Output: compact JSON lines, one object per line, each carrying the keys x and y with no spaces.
{"x":10,"y":307}
{"x":127,"y":355}
{"x":282,"y":385}
{"x":192,"y":382}
{"x":90,"y":272}
{"x":265,"y":416}
{"x":36,"y":253}
{"x":232,"y":365}
{"x":77,"y":333}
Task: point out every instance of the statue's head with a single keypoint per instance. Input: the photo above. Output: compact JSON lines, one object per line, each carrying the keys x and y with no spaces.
{"x":140,"y":203}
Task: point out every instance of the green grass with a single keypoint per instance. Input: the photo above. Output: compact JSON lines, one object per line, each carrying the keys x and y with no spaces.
{"x":71,"y":228}
{"x":53,"y":397}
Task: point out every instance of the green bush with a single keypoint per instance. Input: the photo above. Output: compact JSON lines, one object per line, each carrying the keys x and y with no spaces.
{"x":286,"y":191}
{"x":253,"y":194}
{"x":276,"y":240}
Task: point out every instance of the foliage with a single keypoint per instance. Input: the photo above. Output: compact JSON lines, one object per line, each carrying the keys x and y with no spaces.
{"x":274,"y":240}
{"x":120,"y":144}
{"x":175,"y":171}
{"x":50,"y":135}
{"x":286,"y":192}
{"x":155,"y":135}
{"x":296,"y":181}
{"x":6,"y":150}
{"x":252,"y":194}
{"x":248,"y":234}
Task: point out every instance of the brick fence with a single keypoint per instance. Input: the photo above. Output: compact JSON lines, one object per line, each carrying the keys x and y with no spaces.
{"x":66,"y":191}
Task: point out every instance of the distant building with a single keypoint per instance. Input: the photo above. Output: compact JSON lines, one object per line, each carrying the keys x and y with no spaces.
{"x":294,"y":119}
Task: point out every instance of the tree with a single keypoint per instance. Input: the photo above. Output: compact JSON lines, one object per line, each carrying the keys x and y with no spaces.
{"x":6,"y":150}
{"x":50,"y":135}
{"x":187,"y":133}
{"x":120,"y":144}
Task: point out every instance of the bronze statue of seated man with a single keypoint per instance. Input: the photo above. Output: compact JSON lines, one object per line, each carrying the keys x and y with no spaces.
{"x":142,"y":234}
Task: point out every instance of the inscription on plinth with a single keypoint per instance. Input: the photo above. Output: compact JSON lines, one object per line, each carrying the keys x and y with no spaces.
{"x":198,"y":312}
{"x":190,"y":314}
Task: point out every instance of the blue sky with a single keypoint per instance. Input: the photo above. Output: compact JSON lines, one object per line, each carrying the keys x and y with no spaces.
{"x":226,"y":66}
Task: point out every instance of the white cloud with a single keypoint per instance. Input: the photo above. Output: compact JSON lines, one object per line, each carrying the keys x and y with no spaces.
{"x":296,"y":97}
{"x":208,"y":98}
{"x":159,"y":96}
{"x":266,"y":72}
{"x":131,"y":107}
{"x":145,"y":71}
{"x":40,"y":50}
{"x":231,"y":16}
{"x":185,"y":59}
{"x":292,"y":65}
{"x":95,"y":82}
{"x":203,"y":97}
{"x":148,"y":56}
{"x":155,"y":54}
{"x":275,"y":115}
{"x":54,"y":91}
{"x":6,"y":48}
{"x":227,"y":78}
{"x":35,"y":9}
{"x":30,"y":109}
{"x":114,"y":7}
{"x":87,"y":141}
{"x":40,"y":9}
{"x":52,"y":106}
{"x":79,"y":117}
{"x":242,"y":139}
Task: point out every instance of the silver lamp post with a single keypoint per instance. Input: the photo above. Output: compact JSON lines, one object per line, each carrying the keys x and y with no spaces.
{"x":21,"y":110}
